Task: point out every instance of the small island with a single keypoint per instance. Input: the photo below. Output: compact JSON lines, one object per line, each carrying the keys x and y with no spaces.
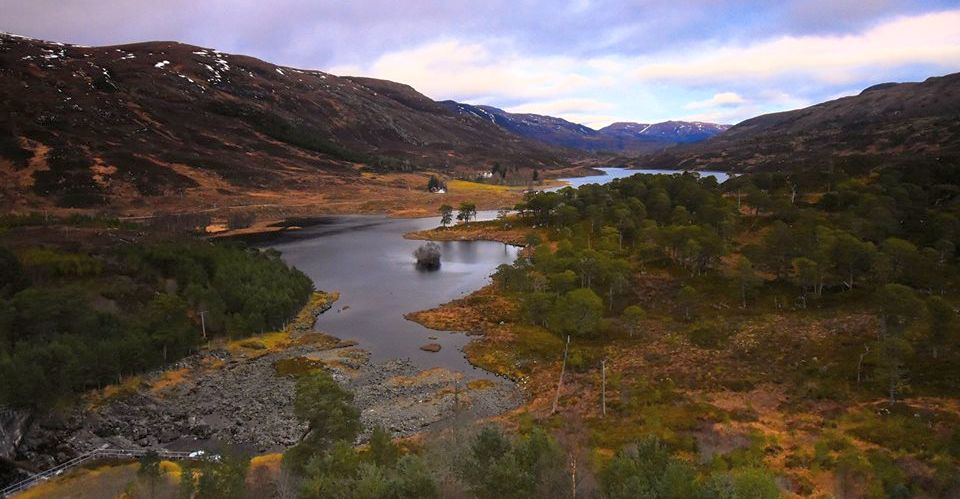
{"x":428,"y":256}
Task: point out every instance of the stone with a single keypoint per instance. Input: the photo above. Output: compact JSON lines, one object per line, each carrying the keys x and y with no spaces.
{"x":431,"y":347}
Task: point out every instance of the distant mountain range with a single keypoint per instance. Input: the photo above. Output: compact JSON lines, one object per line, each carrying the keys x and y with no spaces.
{"x":624,"y":138}
{"x":890,"y":123}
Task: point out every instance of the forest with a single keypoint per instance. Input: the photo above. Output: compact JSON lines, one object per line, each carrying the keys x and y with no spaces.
{"x":75,"y":320}
{"x":839,"y":291}
{"x":884,"y":244}
{"x":876,"y":252}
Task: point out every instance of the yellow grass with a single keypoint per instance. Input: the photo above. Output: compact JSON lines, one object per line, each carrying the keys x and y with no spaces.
{"x":480,"y":384}
{"x":258,"y":345}
{"x":429,"y":376}
{"x":127,"y":387}
{"x":276,"y":340}
{"x":465,"y":185}
{"x":266,"y":460}
{"x":169,"y":379}
{"x":111,"y":480}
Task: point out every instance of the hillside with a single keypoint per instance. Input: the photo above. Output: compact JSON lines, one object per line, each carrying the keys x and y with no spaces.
{"x":624,"y":137}
{"x":886,"y":124}
{"x":107,"y":126}
{"x":673,"y":132}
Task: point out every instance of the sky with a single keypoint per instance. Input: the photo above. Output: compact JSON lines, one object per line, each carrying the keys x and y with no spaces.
{"x":593,"y":62}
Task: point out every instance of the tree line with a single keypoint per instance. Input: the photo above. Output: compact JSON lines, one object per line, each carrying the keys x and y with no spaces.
{"x":71,"y":321}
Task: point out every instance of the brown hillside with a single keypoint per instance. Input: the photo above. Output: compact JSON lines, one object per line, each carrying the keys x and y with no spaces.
{"x":107,"y":126}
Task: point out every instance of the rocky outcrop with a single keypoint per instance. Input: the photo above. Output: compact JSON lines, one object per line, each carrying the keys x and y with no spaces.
{"x":13,"y":425}
{"x":246,"y":404}
{"x":241,"y":397}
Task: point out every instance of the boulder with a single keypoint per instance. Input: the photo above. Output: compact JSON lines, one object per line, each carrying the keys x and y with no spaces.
{"x":13,"y":425}
{"x":431,"y":347}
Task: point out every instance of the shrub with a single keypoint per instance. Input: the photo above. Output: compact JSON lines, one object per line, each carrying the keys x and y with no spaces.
{"x":709,"y":334}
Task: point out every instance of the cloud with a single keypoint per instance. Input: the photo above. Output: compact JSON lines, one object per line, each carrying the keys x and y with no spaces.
{"x":472,"y":71}
{"x":590,"y":61}
{"x":562,"y":106}
{"x":931,"y":39}
{"x":723,"y":99}
{"x":732,"y":112}
{"x":718,"y":82}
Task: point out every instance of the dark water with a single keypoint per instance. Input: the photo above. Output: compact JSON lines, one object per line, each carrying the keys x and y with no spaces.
{"x":369,"y":262}
{"x":615,"y":173}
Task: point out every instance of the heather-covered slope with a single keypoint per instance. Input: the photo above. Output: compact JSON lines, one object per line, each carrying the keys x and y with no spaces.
{"x":883,"y":125}
{"x":87,"y":127}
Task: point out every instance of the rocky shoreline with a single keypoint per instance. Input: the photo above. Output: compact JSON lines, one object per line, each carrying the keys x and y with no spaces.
{"x":240,"y":396}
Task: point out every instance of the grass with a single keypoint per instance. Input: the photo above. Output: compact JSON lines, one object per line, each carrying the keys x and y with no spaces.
{"x":480,"y":384}
{"x":467,"y":186}
{"x":259,"y":345}
{"x":505,"y":231}
{"x":126,"y":388}
{"x":429,"y":376}
{"x":296,"y":367}
{"x":902,"y":428}
{"x":514,"y":355}
{"x":169,"y":379}
{"x":108,"y":480}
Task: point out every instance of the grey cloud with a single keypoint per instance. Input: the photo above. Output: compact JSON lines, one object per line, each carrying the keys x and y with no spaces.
{"x":335,"y":32}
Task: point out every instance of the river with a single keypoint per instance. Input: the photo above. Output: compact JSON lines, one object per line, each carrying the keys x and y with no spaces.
{"x":369,"y":262}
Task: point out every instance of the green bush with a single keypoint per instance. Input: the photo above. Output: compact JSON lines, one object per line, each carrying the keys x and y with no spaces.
{"x":709,"y":334}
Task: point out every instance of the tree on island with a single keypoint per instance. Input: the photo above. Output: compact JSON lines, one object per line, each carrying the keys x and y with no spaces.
{"x":446,"y":215}
{"x":428,"y":256}
{"x":467,"y":212}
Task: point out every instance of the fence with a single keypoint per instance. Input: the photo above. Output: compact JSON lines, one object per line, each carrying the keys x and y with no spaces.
{"x":101,"y":453}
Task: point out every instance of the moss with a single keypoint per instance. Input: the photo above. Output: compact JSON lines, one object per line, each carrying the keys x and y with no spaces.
{"x":253,"y":344}
{"x":319,"y":340}
{"x":897,"y":429}
{"x":515,"y":357}
{"x":296,"y":367}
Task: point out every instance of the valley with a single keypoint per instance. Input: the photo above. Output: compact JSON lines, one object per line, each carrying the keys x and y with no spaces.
{"x":317,"y":285}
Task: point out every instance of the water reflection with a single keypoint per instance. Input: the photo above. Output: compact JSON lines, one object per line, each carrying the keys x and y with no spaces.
{"x":372,"y":265}
{"x":615,"y":173}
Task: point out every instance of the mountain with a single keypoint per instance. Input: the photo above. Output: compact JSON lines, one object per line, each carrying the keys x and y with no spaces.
{"x":627,"y":138}
{"x":546,"y":129}
{"x":86,"y":127}
{"x":679,"y":132}
{"x":890,"y":123}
